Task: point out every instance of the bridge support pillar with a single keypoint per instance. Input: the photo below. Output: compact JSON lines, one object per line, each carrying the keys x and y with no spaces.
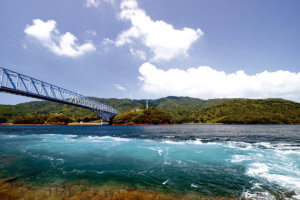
{"x":105,"y":117}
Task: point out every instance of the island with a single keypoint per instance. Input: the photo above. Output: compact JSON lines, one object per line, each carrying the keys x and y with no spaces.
{"x":167,"y":110}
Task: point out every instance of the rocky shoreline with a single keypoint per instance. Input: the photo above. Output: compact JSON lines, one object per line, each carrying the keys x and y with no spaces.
{"x":11,"y":188}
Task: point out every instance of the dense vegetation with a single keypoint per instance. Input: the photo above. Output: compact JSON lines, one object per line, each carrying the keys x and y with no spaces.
{"x":250,"y":112}
{"x":42,"y":119}
{"x":181,"y":109}
{"x":35,"y":108}
{"x":37,"y":119}
{"x":3,"y":119}
{"x":52,"y":119}
{"x":177,"y":107}
{"x":142,"y":115}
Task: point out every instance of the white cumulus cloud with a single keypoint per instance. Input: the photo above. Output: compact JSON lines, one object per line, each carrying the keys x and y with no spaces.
{"x":61,"y":44}
{"x":161,"y":38}
{"x":120,"y":87}
{"x":206,"y":82}
{"x":138,"y":53}
{"x":92,"y":3}
{"x":96,"y":3}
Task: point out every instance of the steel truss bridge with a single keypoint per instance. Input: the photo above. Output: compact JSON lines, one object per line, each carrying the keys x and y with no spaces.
{"x":16,"y":83}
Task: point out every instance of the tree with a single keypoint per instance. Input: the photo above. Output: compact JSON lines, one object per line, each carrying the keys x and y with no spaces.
{"x":3,"y":119}
{"x":38,"y":119}
{"x":141,"y":115}
{"x":59,"y":118}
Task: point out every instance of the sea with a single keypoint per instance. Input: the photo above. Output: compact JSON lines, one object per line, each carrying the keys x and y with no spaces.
{"x":150,"y":162}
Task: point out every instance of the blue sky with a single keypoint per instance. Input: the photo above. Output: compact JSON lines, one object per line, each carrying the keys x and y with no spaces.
{"x":151,"y":49}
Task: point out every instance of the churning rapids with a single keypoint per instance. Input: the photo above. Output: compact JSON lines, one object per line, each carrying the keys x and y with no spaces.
{"x":186,"y":161}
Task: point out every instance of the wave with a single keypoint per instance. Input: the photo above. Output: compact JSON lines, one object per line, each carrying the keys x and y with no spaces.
{"x":266,"y":162}
{"x":159,"y":151}
{"x":197,"y":141}
{"x":262,"y":195}
{"x":285,"y":179}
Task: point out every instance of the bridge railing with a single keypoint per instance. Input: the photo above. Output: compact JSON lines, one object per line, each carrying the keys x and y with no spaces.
{"x":14,"y":82}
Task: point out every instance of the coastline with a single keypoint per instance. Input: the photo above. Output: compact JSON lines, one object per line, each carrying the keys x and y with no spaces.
{"x":99,"y":124}
{"x":70,"y":124}
{"x":11,"y":188}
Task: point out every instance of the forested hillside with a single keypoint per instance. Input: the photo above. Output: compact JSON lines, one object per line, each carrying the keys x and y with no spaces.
{"x":250,"y":112}
{"x":42,"y":108}
{"x":141,"y":115}
{"x":181,"y":109}
{"x":177,"y":106}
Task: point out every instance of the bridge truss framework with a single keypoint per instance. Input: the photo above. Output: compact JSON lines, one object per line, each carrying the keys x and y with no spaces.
{"x":16,"y":83}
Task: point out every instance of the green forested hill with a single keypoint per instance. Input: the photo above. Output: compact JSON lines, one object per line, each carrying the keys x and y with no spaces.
{"x":179,"y":107}
{"x":248,"y":111}
{"x":171,"y":104}
{"x":42,"y":108}
{"x":182,"y":109}
{"x":141,"y":115}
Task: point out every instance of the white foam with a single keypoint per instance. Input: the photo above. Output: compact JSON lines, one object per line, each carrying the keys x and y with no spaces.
{"x":11,"y":136}
{"x":265,"y":144}
{"x":197,"y":141}
{"x":54,"y":134}
{"x":159,"y":151}
{"x":285,"y":181}
{"x":172,"y":142}
{"x":263,"y":171}
{"x":239,"y":145}
{"x":107,"y":138}
{"x":122,"y":139}
{"x":194,"y":186}
{"x":257,"y":195}
{"x":50,"y":134}
{"x":239,"y":158}
{"x":287,"y":152}
{"x":165,"y":182}
{"x":257,"y":169}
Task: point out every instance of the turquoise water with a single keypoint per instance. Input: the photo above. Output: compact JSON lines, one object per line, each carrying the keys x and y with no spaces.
{"x":214,"y":160}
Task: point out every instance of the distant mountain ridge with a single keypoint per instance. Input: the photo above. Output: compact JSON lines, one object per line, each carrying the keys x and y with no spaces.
{"x":182,"y":109}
